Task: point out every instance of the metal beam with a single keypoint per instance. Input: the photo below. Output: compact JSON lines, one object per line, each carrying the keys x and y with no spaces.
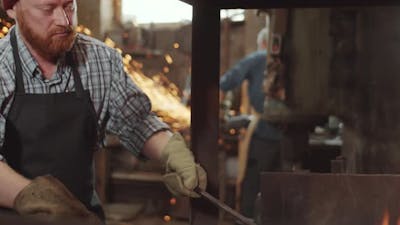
{"x":256,"y":4}
{"x":205,"y":104}
{"x":190,"y":2}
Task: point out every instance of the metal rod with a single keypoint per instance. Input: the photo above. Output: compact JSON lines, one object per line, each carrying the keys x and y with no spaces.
{"x":226,"y":208}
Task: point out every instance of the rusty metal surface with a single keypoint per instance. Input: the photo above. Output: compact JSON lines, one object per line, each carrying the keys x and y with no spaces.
{"x":330,"y":199}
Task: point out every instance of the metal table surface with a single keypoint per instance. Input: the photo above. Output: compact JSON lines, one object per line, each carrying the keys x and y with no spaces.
{"x":330,"y":199}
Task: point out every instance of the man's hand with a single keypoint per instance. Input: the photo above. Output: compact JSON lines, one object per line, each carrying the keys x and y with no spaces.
{"x":183,"y":175}
{"x":48,"y":198}
{"x":11,"y":183}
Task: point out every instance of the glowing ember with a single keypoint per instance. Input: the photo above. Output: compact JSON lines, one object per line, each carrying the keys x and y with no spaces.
{"x":84,"y":30}
{"x":163,"y":94}
{"x":110,"y":43}
{"x":4,"y":30}
{"x":165,"y":101}
{"x":169,"y":59}
{"x":385,"y":219}
{"x":172,"y":201}
{"x":4,"y":26}
{"x":167,"y":218}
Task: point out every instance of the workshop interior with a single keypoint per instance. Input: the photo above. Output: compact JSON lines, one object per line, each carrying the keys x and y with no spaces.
{"x":329,"y":94}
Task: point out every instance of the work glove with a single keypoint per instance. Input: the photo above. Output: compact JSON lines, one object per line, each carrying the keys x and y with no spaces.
{"x":47,"y":198}
{"x":183,"y":174}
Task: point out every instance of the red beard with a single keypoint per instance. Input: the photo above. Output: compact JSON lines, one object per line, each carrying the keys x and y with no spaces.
{"x":50,"y":45}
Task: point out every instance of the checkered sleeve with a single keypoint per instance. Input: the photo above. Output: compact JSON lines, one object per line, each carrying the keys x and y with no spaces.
{"x":130,"y":112}
{"x":5,"y":87}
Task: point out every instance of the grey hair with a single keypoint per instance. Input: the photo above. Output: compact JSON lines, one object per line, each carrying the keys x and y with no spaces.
{"x":262,"y":37}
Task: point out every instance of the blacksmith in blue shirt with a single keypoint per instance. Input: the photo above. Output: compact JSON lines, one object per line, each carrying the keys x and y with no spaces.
{"x":262,"y":153}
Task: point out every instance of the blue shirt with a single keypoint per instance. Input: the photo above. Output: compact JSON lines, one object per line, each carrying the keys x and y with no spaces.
{"x":251,"y":68}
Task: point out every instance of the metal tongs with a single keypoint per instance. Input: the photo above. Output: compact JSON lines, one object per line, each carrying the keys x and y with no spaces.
{"x":244,"y":220}
{"x":174,"y":178}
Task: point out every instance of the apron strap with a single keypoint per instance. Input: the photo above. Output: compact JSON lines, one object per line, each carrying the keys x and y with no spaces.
{"x":20,"y":89}
{"x":77,"y":79}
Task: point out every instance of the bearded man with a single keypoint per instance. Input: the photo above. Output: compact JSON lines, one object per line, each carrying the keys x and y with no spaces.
{"x":59,"y":92}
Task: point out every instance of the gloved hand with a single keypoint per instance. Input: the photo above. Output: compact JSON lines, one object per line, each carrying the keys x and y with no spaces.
{"x":48,"y":198}
{"x":183,"y":175}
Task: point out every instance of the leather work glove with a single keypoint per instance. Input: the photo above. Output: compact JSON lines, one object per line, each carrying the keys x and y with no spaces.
{"x":183,"y":175}
{"x":46,"y":197}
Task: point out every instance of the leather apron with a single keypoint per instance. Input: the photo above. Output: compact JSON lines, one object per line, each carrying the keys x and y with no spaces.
{"x":53,"y":134}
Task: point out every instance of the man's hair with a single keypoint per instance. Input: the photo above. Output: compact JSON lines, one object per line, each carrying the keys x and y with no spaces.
{"x":262,"y":37}
{"x":8,"y":4}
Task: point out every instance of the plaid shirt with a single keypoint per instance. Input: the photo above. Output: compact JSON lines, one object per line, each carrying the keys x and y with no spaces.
{"x":121,"y":107}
